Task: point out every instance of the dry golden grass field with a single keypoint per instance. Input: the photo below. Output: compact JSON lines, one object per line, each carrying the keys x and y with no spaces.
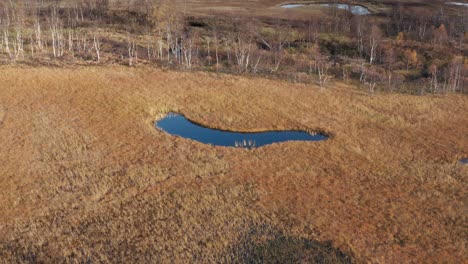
{"x":85,"y":176}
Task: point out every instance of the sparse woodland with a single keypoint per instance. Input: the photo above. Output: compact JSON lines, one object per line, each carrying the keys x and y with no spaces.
{"x":402,"y":50}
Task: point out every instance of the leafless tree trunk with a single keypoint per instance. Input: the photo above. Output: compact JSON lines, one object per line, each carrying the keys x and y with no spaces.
{"x":19,"y":43}
{"x":38,"y":35}
{"x":321,"y":67}
{"x":359,"y":23}
{"x":187,"y":51}
{"x":5,"y":23}
{"x":132,"y":52}
{"x":97,"y":47}
{"x":216,"y":50}
{"x":433,"y":69}
{"x":374,"y":41}
{"x":56,"y":32}
{"x":242,"y":51}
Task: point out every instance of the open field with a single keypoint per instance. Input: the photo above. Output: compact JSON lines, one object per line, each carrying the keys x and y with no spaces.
{"x":85,"y":176}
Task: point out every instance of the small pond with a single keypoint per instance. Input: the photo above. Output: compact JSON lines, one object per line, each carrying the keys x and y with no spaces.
{"x":178,"y":125}
{"x":464,"y":161}
{"x":355,"y":9}
{"x":457,"y":3}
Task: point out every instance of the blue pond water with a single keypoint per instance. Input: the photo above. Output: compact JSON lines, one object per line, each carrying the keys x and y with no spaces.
{"x":354,"y":9}
{"x":178,"y":125}
{"x":464,"y":161}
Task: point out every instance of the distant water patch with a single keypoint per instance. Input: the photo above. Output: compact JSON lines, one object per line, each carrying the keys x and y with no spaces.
{"x":292,"y":5}
{"x":464,"y":161}
{"x":354,"y":9}
{"x":178,"y":125}
{"x":457,"y":3}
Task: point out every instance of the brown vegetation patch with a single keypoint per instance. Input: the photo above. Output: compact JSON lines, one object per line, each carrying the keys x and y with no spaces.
{"x":85,"y":175}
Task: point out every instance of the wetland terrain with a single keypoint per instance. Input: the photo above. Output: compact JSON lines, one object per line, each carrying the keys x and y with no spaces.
{"x":233,"y":132}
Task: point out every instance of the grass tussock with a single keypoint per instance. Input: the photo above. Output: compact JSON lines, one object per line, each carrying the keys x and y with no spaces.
{"x":85,"y":176}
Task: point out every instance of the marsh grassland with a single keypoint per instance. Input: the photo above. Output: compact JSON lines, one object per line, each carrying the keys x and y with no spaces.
{"x":85,"y":176}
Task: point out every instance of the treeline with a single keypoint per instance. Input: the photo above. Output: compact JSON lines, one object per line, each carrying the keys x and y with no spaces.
{"x":405,"y":50}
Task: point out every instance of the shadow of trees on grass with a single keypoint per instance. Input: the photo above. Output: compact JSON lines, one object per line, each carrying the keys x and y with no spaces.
{"x":264,"y":244}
